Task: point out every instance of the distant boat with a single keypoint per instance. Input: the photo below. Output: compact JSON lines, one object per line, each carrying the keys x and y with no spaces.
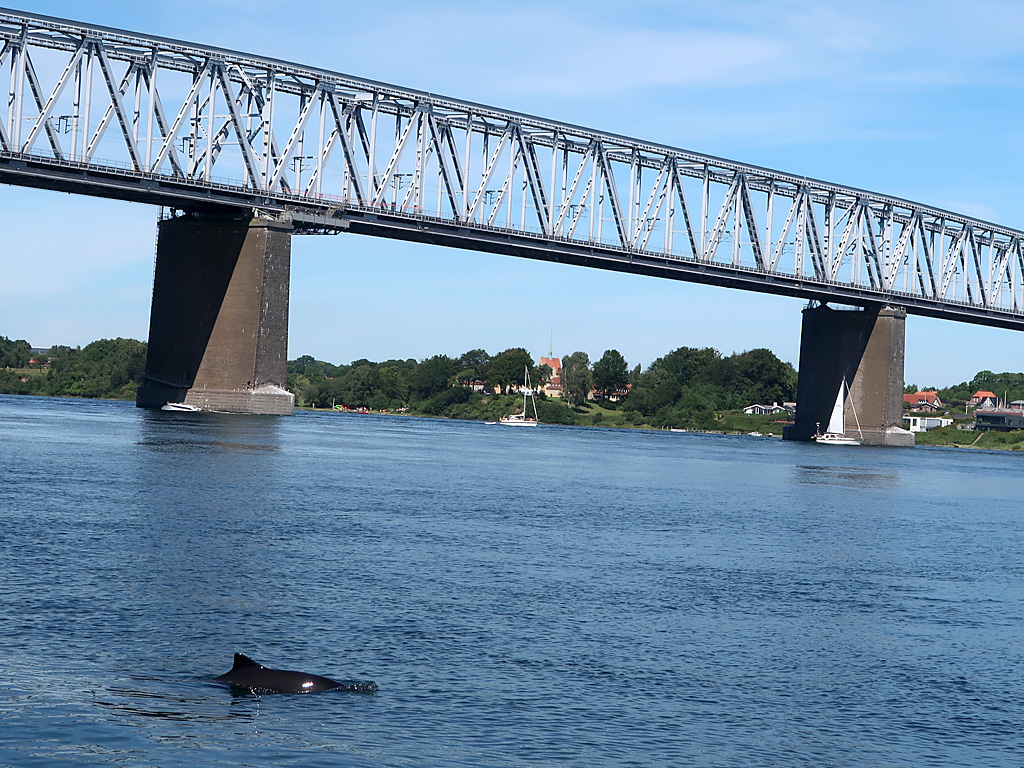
{"x":521,"y":419}
{"x":179,"y":407}
{"x":835,"y":433}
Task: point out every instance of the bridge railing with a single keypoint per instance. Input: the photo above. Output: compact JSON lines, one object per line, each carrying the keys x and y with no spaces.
{"x":206,"y":124}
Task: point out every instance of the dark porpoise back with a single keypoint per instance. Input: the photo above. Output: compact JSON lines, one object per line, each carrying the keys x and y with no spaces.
{"x":248,"y":675}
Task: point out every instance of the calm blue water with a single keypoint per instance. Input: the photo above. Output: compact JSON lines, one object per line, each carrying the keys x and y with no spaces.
{"x":545,"y":597}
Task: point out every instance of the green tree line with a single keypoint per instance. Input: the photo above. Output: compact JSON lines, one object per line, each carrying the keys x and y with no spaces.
{"x":691,"y":387}
{"x":688,"y":387}
{"x":437,"y":386}
{"x":696,"y":388}
{"x":1004,"y":385}
{"x":14,"y":354}
{"x":108,"y":368}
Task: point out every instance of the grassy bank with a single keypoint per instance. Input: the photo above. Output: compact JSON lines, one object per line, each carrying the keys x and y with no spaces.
{"x":959,"y":438}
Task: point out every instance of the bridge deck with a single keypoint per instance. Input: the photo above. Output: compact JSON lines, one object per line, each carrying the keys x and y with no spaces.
{"x":98,"y":111}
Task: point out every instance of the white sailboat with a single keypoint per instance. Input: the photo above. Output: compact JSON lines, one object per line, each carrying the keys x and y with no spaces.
{"x":521,"y":419}
{"x":835,"y":433}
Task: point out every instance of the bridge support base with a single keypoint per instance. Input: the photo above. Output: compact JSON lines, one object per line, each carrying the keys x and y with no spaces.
{"x":865,"y":349}
{"x":218,"y":329}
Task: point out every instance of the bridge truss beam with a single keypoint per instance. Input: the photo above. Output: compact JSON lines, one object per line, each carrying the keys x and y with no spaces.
{"x":99,"y":111}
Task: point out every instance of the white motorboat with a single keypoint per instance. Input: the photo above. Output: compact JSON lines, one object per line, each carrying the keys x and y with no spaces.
{"x":521,"y":419}
{"x":834,"y":438}
{"x":835,"y":433}
{"x":180,"y":407}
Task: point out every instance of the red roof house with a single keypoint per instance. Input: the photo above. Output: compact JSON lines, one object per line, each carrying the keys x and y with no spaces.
{"x":923,"y":401}
{"x":984,"y":399}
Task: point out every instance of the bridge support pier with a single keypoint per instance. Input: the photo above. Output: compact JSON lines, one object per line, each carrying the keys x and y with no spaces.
{"x":218,"y":329}
{"x":865,"y":349}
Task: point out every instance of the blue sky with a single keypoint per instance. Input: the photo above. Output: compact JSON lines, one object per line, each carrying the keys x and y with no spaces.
{"x":915,"y":99}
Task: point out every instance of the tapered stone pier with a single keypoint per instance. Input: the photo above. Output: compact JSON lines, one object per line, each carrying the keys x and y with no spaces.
{"x":865,"y":349}
{"x":218,"y":331}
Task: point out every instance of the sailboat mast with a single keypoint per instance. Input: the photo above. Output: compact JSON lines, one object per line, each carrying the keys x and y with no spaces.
{"x":526,"y":387}
{"x":528,"y":393}
{"x":853,"y":406}
{"x":533,"y":397}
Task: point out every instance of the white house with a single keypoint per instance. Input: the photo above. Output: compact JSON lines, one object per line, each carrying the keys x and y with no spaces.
{"x":924,"y":423}
{"x":984,"y":399}
{"x":761,"y":410}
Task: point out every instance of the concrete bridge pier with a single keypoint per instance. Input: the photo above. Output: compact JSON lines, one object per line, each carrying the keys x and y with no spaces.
{"x":864,"y":348}
{"x":218,"y":329}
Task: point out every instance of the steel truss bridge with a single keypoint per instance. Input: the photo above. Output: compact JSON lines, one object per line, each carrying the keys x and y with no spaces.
{"x":100,"y":111}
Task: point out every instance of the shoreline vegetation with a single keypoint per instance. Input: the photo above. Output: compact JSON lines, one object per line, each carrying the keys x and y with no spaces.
{"x":697,"y":390}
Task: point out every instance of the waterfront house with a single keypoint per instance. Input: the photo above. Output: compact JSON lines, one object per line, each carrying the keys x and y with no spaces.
{"x":762,"y":410}
{"x":924,"y":423}
{"x":614,"y":396}
{"x":984,"y":399}
{"x":926,"y":402}
{"x":996,"y":420}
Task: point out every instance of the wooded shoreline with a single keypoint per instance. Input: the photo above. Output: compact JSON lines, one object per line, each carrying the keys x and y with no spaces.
{"x":697,"y":389}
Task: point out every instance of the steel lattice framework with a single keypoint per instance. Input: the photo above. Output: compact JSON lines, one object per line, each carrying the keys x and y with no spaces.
{"x":105,"y":112}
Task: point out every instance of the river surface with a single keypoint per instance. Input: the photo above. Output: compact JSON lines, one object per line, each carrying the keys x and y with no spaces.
{"x":522,"y":597}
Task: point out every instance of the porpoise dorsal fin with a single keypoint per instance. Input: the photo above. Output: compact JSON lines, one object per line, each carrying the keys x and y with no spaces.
{"x":244,"y":662}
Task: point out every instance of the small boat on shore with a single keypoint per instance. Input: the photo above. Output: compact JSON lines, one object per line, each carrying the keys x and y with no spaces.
{"x":186,"y":407}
